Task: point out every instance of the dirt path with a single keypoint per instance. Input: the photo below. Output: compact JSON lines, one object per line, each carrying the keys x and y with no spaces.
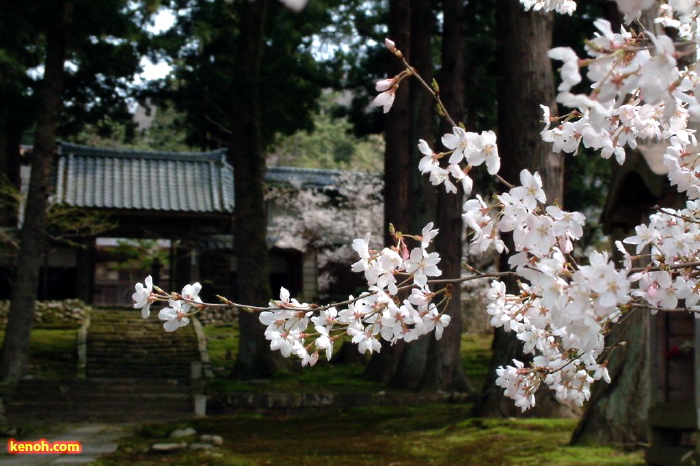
{"x":96,"y":440}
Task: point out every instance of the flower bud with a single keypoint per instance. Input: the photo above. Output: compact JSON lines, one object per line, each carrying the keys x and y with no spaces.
{"x":385,"y":84}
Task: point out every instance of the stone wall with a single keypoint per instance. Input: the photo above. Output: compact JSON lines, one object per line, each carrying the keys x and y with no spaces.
{"x":217,"y":315}
{"x":69,"y":313}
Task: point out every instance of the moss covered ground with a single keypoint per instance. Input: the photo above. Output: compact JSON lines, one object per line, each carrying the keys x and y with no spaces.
{"x":433,"y":434}
{"x":52,"y":353}
{"x":425,"y":434}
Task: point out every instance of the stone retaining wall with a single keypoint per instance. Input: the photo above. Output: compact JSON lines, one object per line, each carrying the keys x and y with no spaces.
{"x":230,"y":403}
{"x":216,"y":315}
{"x":69,"y":313}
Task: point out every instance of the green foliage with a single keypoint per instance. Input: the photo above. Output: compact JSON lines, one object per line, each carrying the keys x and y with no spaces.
{"x":105,"y":51}
{"x":221,"y":342}
{"x":139,"y":256}
{"x":65,"y":225}
{"x":203,"y":48}
{"x":331,"y":145}
{"x":165,"y":133}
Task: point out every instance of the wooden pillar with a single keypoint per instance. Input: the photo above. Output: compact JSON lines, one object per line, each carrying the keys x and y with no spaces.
{"x":309,"y":276}
{"x":85,"y":273}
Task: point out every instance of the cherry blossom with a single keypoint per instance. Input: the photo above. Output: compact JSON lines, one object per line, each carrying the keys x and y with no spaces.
{"x":385,"y":99}
{"x":175,"y":316}
{"x":563,"y":307}
{"x":422,"y":266}
{"x":142,"y":297}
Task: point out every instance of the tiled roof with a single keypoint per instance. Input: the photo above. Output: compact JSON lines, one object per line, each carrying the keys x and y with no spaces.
{"x":302,"y":177}
{"x":158,"y":181}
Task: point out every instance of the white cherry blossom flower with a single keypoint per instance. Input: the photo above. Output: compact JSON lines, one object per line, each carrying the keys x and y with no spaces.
{"x":142,"y":297}
{"x":175,"y":316}
{"x":422,"y":266}
{"x":385,"y":99}
{"x":570,"y":74}
{"x":427,"y":235}
{"x":530,"y":191}
{"x":190,"y":295}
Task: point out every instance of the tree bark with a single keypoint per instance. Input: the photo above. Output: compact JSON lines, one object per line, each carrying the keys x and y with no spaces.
{"x":9,"y":164}
{"x":397,"y":161}
{"x":15,"y":350}
{"x":413,"y":360}
{"x":445,"y":371}
{"x":246,"y":153}
{"x":527,"y":81}
{"x":617,"y":412}
{"x":397,"y":167}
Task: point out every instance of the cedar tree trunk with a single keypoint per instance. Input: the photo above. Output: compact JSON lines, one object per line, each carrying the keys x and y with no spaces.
{"x":15,"y":350}
{"x":413,"y":360}
{"x":246,"y":153}
{"x":397,"y":167}
{"x":527,"y":81}
{"x":617,"y":413}
{"x":445,"y":371}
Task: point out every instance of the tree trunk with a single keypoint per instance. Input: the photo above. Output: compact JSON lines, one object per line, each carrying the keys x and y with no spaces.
{"x":397,"y":161}
{"x":397,"y":167}
{"x":413,"y":360}
{"x":246,"y":153}
{"x":527,"y":82}
{"x":9,"y":165}
{"x":617,"y":412}
{"x":15,"y":350}
{"x":445,"y":371}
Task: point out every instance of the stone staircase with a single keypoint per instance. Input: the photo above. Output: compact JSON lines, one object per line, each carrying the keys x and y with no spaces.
{"x":133,"y":371}
{"x":120,"y":344}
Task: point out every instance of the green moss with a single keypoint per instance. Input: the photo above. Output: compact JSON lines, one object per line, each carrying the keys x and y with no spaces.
{"x":52,"y":353}
{"x":476,"y":355}
{"x":222,"y":343}
{"x":435,"y":434}
{"x":324,"y":377}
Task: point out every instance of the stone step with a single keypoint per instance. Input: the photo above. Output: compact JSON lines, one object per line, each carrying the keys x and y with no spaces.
{"x":117,"y":374}
{"x":33,"y":414}
{"x":152,"y":354}
{"x":183,"y":405}
{"x":103,"y":385}
{"x":120,"y":416}
{"x":135,"y":371}
{"x":181,"y":402}
{"x":104,"y":400}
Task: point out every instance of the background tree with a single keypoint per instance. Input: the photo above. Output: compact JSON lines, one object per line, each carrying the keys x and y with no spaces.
{"x":401,"y":184}
{"x":617,"y":412}
{"x":65,"y":31}
{"x":410,"y":199}
{"x":246,"y":153}
{"x":526,"y":81}
{"x":445,"y":371}
{"x":420,"y":199}
{"x":331,"y":144}
{"x":237,"y":65}
{"x":18,"y":52}
{"x":15,"y":350}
